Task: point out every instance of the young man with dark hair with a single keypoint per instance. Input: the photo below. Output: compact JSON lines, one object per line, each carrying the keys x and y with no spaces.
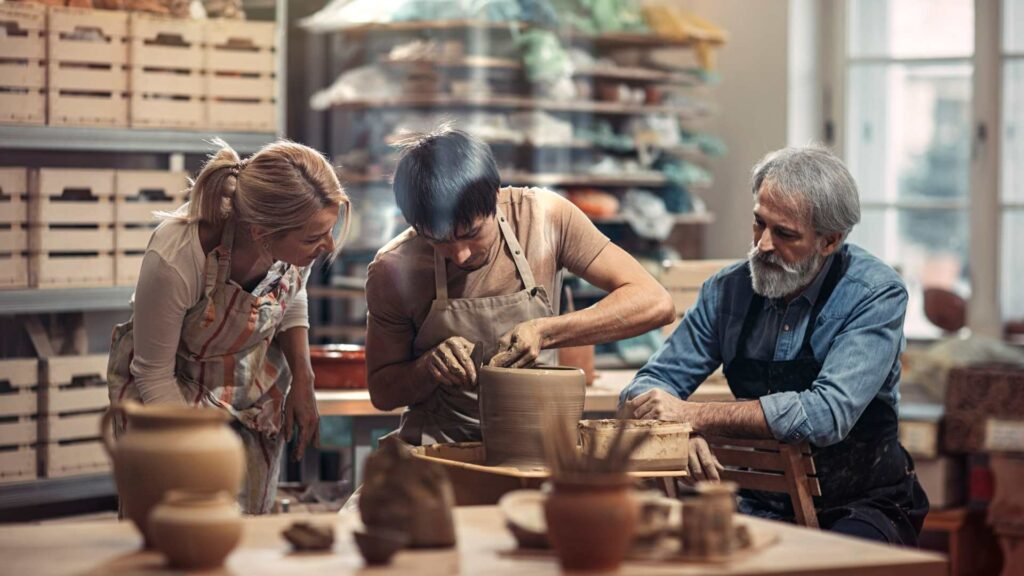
{"x":483,"y":264}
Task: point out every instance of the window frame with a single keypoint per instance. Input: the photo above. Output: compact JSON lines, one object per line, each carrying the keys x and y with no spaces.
{"x":985,"y":205}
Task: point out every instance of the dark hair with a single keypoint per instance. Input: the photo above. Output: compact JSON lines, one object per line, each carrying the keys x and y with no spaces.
{"x":445,"y":180}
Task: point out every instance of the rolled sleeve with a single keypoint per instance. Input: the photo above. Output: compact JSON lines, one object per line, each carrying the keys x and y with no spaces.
{"x":296,"y":315}
{"x":859,"y":362}
{"x":786,"y":417}
{"x":688,"y":356}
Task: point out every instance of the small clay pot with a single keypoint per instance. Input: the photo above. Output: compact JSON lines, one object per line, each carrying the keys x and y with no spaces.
{"x":591,"y":521}
{"x":196,"y":530}
{"x":378,"y":545}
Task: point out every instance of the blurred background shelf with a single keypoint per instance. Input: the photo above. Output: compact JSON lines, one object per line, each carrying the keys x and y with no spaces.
{"x":60,"y":138}
{"x":46,"y":300}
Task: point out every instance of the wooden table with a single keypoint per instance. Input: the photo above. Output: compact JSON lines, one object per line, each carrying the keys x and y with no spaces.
{"x":111,"y":547}
{"x":603,"y":396}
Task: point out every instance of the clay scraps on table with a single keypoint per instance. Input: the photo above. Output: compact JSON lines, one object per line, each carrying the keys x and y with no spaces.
{"x":308,"y":537}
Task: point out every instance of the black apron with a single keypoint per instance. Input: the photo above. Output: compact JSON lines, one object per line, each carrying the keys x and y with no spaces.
{"x":868,"y":476}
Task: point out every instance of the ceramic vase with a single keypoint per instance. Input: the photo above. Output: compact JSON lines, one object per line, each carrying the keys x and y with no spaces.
{"x":196,"y":530}
{"x":515,"y":404}
{"x":591,"y":521}
{"x":170,"y":447}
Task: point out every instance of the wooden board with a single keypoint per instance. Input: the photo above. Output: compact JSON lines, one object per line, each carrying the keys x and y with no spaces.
{"x":132,"y":239}
{"x":25,"y":37}
{"x":245,"y":116}
{"x":13,"y":272}
{"x":18,"y":465}
{"x":71,"y":196}
{"x":73,"y":36}
{"x":240,"y":46}
{"x":164,"y":42}
{"x":75,"y":459}
{"x":15,"y":433}
{"x":13,"y":194}
{"x":74,"y":427}
{"x":162,"y":111}
{"x":63,"y":370}
{"x":18,"y":380}
{"x":97,"y":239}
{"x":64,"y":271}
{"x":127,"y":266}
{"x":13,"y":240}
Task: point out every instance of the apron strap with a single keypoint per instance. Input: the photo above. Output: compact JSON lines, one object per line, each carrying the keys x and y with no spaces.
{"x":219,"y":274}
{"x":522,"y":266}
{"x":518,"y":258}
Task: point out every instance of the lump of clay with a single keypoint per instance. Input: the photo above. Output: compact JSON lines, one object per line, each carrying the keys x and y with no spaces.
{"x":406,"y":494}
{"x":307,"y":537}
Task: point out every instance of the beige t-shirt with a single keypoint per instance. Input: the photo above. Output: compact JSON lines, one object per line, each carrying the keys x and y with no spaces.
{"x":554,"y":234}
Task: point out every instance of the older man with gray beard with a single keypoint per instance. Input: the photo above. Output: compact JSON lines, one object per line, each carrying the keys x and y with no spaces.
{"x":809,"y":330}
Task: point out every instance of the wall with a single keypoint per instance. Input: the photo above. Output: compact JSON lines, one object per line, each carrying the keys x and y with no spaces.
{"x":762,"y":106}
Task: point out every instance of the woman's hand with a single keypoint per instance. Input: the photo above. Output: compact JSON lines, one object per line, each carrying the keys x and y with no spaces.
{"x":300,"y":410}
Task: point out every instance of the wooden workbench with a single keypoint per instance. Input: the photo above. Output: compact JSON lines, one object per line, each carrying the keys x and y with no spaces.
{"x":603,"y":396}
{"x":111,"y":547}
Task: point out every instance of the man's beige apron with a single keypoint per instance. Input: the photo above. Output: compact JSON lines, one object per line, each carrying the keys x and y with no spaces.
{"x":451,"y":414}
{"x":228,"y":358}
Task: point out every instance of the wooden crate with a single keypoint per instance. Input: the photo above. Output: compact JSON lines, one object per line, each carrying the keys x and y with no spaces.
{"x":22,"y":64}
{"x":70,"y":235}
{"x":13,"y":218}
{"x":86,"y":67}
{"x":683,"y":279}
{"x":139,"y":193}
{"x":241,"y":75}
{"x":165,"y":61}
{"x":73,"y":398}
{"x":19,"y":404}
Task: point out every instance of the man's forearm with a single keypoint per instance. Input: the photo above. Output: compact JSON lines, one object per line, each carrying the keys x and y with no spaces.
{"x":625,"y":312}
{"x":401,"y":384}
{"x":739,"y":419}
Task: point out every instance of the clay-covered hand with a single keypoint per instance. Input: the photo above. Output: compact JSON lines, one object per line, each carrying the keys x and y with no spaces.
{"x":450,"y":363}
{"x":519,"y":347}
{"x":659,"y":404}
{"x":703,"y":465}
{"x":300,"y":410}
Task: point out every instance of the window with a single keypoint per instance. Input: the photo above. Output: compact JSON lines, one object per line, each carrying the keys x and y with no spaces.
{"x":1012,"y":162}
{"x":908,"y":116}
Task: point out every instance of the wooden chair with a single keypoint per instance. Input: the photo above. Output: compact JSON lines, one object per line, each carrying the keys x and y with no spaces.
{"x":758,"y":464}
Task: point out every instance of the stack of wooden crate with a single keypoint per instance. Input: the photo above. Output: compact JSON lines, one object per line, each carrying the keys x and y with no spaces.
{"x":140,"y":193}
{"x":72,"y":400}
{"x":71,"y":236}
{"x":18,"y":426}
{"x":241,"y":75}
{"x":87,"y":82}
{"x":165,"y":72}
{"x":13,"y":234}
{"x":22,"y":63}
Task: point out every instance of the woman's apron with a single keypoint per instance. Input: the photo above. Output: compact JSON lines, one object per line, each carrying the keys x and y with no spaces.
{"x":451,"y":414}
{"x":228,"y":358}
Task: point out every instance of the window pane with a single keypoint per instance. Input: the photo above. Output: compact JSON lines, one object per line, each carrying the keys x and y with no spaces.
{"x":1012,"y":269}
{"x":911,"y":28}
{"x":908,"y":131}
{"x":870,"y":234}
{"x":931,"y":253}
{"x":1013,"y":25}
{"x":1013,"y":131}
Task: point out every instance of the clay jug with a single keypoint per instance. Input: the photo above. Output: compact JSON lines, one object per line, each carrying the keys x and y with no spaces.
{"x":514,"y":405}
{"x":170,"y":447}
{"x":591,"y":520}
{"x":196,"y":530}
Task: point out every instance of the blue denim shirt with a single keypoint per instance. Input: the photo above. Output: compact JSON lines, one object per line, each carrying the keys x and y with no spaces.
{"x":858,"y":339}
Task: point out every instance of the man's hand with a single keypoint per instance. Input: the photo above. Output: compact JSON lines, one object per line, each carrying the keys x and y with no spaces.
{"x":450,"y":363}
{"x":702,"y":465}
{"x":519,"y":347}
{"x":300,"y":410}
{"x":657,"y":404}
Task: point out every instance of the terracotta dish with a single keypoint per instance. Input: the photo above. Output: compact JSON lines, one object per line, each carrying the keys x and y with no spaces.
{"x":338,"y":366}
{"x":514,"y":404}
{"x":667,"y":448}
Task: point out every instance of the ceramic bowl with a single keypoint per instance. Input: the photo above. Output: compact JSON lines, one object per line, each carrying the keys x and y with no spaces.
{"x":378,"y":545}
{"x":524,"y":517}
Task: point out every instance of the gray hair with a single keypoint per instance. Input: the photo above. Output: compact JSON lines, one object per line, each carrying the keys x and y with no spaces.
{"x":819,"y":178}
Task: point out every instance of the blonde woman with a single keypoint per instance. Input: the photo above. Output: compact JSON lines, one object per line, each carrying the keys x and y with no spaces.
{"x":220,"y":316}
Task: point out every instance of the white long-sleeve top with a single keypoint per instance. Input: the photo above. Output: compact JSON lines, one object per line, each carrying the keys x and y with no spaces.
{"x":170,"y":284}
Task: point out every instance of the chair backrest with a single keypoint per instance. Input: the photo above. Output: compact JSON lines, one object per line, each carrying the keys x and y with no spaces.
{"x":769,"y":465}
{"x":683,"y":279}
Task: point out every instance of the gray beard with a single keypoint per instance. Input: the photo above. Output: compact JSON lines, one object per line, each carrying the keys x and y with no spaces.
{"x":773,"y":278}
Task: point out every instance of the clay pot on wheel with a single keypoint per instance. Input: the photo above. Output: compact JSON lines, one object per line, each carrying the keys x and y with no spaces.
{"x":196,"y":530}
{"x":514,"y":403}
{"x":591,"y":521}
{"x":170,"y":447}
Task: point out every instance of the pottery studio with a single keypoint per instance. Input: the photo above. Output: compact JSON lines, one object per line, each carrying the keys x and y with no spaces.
{"x":511,"y":287}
